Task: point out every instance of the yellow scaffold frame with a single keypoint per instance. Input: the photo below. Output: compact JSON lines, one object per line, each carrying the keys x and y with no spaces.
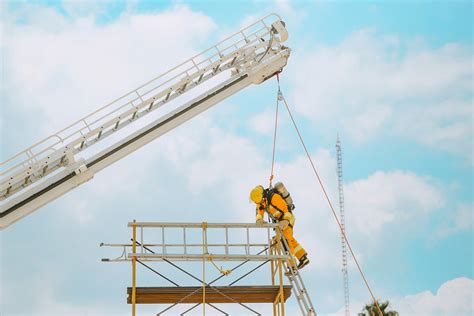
{"x":276,"y":265}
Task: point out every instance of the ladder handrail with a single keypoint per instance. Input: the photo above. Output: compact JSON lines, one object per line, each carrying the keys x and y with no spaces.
{"x":29,"y":152}
{"x":87,"y":136}
{"x":298,"y":287}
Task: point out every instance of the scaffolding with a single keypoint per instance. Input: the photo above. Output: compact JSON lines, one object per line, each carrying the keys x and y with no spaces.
{"x":149,"y":244}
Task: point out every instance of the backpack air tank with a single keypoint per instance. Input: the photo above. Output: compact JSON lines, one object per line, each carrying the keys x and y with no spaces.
{"x":281,"y":189}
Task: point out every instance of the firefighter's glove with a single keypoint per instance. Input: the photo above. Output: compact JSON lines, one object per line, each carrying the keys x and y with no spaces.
{"x":260,"y":222}
{"x":283,"y":224}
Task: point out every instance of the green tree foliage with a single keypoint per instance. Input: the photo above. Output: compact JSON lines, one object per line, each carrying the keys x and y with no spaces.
{"x":371,"y":309}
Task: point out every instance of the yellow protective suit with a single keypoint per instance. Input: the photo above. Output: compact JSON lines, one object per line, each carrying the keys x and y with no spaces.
{"x":279,"y":211}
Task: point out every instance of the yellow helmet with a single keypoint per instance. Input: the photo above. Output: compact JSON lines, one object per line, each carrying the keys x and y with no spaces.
{"x":256,"y":195}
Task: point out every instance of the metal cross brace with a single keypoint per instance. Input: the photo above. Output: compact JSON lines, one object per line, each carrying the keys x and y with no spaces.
{"x":201,"y":281}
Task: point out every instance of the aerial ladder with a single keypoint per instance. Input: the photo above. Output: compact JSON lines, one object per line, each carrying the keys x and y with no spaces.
{"x":63,"y":161}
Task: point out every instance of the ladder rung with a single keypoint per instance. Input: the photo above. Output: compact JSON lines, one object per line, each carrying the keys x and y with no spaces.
{"x":151,"y":105}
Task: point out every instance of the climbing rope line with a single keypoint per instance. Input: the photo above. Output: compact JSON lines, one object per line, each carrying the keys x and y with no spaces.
{"x":275,"y":130}
{"x":221,"y":269}
{"x":328,"y":200}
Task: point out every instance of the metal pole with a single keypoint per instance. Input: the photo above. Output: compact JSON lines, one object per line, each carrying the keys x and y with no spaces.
{"x":273,"y":269}
{"x":134,"y":269}
{"x":280,"y":272}
{"x":204,"y":251}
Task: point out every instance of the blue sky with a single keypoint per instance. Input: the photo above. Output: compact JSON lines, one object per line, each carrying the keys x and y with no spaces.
{"x":392,"y":78}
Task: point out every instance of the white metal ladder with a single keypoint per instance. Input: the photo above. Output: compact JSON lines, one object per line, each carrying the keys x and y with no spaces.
{"x":297,"y":284}
{"x":247,"y":57}
{"x":58,"y":150}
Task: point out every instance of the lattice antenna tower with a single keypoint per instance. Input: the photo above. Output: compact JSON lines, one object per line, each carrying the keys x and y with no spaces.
{"x":343,"y":224}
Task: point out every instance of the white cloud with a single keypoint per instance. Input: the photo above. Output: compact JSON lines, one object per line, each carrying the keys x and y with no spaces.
{"x":293,"y":15}
{"x":262,"y":124}
{"x":446,"y":125}
{"x":460,"y":221}
{"x":84,"y":8}
{"x":373,"y":86}
{"x":454,"y":297}
{"x":386,"y":197}
{"x":368,"y":123}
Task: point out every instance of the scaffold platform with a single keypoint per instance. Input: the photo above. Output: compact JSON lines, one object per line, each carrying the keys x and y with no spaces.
{"x":241,"y":294}
{"x":154,"y":247}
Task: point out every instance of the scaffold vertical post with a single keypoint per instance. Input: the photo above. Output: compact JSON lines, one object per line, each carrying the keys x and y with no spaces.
{"x":134,"y":268}
{"x":273,"y":271}
{"x":277,"y":267}
{"x":281,"y":295}
{"x":204,"y":252}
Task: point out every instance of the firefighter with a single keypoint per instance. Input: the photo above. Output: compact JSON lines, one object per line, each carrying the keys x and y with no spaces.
{"x":267,"y":200}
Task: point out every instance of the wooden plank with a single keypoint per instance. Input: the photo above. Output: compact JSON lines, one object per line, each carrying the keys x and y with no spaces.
{"x":241,"y":294}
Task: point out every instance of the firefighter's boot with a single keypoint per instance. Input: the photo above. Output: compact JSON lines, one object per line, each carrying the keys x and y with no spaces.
{"x":303,"y":262}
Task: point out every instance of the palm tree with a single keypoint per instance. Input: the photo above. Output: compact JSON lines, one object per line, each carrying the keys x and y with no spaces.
{"x":372,"y":310}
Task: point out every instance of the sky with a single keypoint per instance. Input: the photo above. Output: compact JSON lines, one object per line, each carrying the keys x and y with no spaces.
{"x":393,"y":79}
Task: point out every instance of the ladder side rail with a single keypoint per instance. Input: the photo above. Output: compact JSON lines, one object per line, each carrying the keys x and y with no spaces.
{"x":27,"y":152}
{"x":125,"y":120}
{"x":82,"y":137}
{"x":300,"y":293}
{"x":205,"y":69}
{"x":290,"y":278}
{"x":32,"y":173}
{"x":298,"y":281}
{"x":62,"y":139}
{"x":123,"y":116}
{"x":145,"y":104}
{"x":88,"y":127}
{"x":66,"y":180}
{"x":300,"y":290}
{"x":303,"y":292}
{"x":295,"y":293}
{"x":266,"y":31}
{"x":242,"y":31}
{"x":135,"y":91}
{"x":110,"y":123}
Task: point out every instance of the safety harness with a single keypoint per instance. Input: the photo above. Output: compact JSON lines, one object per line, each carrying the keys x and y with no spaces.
{"x":268,"y":195}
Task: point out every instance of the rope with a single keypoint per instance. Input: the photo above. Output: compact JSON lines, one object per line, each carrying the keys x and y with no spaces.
{"x":221,"y":270}
{"x":331,"y":206}
{"x":275,"y":130}
{"x":205,"y":251}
